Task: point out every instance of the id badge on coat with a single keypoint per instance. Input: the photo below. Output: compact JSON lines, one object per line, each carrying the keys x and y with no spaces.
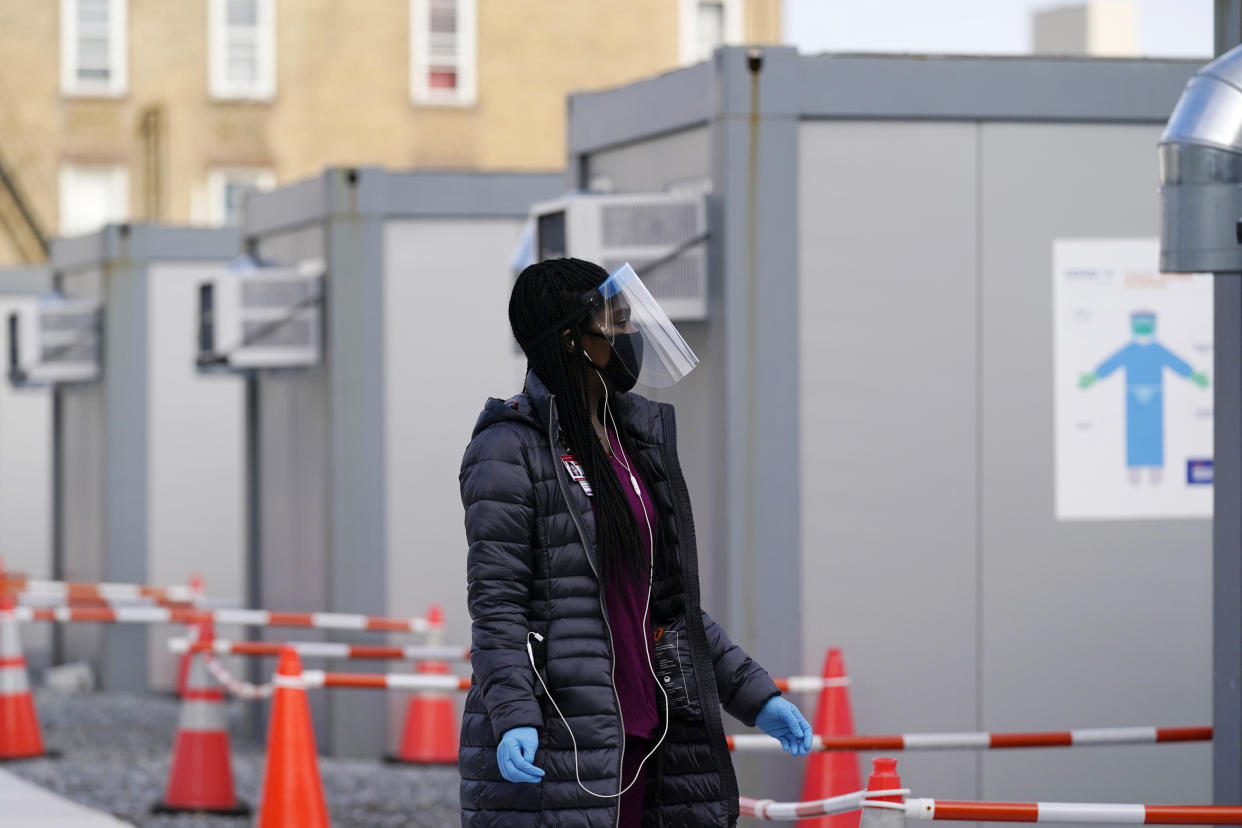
{"x":576,"y":473}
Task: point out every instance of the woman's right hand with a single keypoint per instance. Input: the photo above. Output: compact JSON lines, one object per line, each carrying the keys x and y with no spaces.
{"x":515,"y":753}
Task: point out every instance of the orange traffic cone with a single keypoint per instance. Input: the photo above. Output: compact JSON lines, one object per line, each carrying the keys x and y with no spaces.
{"x":884,"y":778}
{"x":201,"y":777}
{"x":19,"y":727}
{"x":292,"y":791}
{"x":430,"y":733}
{"x":832,"y":773}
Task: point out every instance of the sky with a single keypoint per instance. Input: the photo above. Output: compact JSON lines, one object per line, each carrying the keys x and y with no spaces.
{"x":1168,"y":28}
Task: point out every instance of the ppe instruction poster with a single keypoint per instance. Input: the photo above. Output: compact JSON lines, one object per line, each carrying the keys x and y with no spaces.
{"x":1132,"y":383}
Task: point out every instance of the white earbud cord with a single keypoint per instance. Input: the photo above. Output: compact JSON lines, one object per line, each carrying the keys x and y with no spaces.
{"x":624,"y":461}
{"x":646,"y":611}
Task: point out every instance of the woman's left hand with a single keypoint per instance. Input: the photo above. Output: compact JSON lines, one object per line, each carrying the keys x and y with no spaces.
{"x":784,"y":722}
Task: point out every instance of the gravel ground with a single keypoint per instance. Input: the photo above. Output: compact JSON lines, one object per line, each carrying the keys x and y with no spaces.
{"x":116,"y":750}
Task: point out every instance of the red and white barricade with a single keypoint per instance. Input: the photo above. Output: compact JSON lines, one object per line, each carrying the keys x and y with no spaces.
{"x":1118,"y":814}
{"x":748,"y":743}
{"x":220,"y":617}
{"x":323,"y":649}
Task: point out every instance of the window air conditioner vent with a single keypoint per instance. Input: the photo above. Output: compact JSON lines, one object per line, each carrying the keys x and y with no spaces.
{"x":659,"y":234}
{"x":54,"y":339}
{"x":252,"y":316}
{"x":648,"y":225}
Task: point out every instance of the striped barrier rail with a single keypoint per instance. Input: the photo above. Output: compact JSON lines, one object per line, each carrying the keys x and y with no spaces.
{"x":37,"y":599}
{"x":241,"y":617}
{"x":385,"y":681}
{"x":809,"y":684}
{"x":235,"y":686}
{"x":320,"y":678}
{"x":356,"y":651}
{"x":360,"y":681}
{"x":945,"y":809}
{"x":986,"y":741}
{"x":956,"y":810}
{"x":393,"y":681}
{"x":321,"y":649}
{"x":417,"y":652}
{"x":66,"y":590}
{"x":788,"y":811}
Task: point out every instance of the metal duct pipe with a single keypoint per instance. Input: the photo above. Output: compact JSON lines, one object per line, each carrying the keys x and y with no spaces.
{"x":1201,"y":172}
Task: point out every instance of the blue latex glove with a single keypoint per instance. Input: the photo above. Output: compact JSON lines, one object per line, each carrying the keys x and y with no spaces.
{"x":783,"y":722}
{"x":515,"y":752}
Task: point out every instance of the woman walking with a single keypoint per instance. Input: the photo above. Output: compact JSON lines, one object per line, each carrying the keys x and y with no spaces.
{"x":598,"y":678}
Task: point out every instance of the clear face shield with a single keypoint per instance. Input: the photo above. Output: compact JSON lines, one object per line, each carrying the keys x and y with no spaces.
{"x":644,"y":341}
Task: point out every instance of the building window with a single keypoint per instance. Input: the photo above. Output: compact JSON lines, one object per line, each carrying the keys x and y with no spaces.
{"x":706,"y":24}
{"x":443,"y":38}
{"x":242,"y":52}
{"x":227,"y":189}
{"x":92,"y":195}
{"x":93,"y":47}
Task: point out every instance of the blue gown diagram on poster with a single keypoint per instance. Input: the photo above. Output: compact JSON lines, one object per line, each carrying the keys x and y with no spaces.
{"x":1144,"y":360}
{"x":1133,"y":405}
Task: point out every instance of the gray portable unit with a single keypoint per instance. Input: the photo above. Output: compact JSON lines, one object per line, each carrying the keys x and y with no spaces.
{"x":354,"y":460}
{"x":150,"y":485}
{"x":25,"y":458}
{"x":869,"y":437}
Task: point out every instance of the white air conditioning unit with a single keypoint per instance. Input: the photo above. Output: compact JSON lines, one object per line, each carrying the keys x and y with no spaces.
{"x":54,"y":339}
{"x":660,"y":234}
{"x":252,"y":316}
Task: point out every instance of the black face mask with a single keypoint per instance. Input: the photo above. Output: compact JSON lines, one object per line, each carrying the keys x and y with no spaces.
{"x":626,"y":363}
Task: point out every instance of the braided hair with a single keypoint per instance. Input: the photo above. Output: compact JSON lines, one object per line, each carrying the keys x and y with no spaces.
{"x":545,"y":295}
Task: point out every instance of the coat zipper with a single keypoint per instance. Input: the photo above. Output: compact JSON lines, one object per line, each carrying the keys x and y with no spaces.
{"x":612,"y":653}
{"x":711,"y":707}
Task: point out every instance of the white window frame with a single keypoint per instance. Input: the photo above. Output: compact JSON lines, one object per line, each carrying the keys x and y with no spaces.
{"x":688,"y":27}
{"x":219,"y":86}
{"x":118,"y":194}
{"x":467,"y":92}
{"x":118,"y":50}
{"x":264,"y":179}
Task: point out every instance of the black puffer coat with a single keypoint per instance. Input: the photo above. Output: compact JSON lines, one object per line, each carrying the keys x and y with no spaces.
{"x":532,"y":567}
